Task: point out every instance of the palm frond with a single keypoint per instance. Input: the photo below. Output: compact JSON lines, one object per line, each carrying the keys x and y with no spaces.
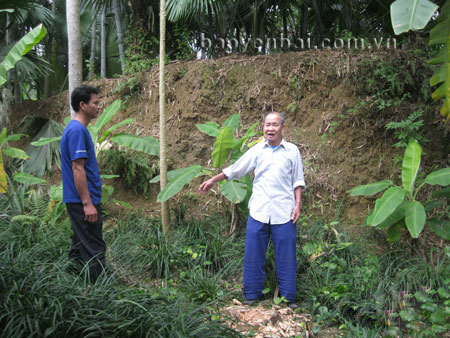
{"x":41,"y":158}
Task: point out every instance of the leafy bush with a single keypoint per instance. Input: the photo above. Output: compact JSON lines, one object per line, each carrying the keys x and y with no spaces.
{"x":135,"y":168}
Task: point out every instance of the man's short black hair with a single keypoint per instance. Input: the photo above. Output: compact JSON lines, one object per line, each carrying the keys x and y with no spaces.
{"x":82,"y":93}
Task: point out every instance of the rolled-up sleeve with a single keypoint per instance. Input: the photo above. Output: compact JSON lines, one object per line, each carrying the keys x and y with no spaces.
{"x":298,"y":179}
{"x":242,"y":166}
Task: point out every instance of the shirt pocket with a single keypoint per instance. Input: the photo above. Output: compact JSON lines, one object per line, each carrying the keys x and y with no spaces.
{"x":283,"y":164}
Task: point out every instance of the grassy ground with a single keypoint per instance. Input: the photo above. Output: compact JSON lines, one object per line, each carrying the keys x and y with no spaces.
{"x":175,"y":286}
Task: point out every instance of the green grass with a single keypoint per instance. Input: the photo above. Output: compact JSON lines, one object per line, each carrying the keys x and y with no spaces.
{"x":172,"y":286}
{"x":347,"y":285}
{"x":41,"y":294}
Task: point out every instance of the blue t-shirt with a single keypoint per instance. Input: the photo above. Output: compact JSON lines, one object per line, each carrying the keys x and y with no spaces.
{"x":76,"y":143}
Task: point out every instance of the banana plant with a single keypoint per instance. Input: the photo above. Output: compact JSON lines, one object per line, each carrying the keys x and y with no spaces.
{"x":414,"y":15}
{"x":398,"y":207}
{"x":147,"y":144}
{"x":226,"y":148}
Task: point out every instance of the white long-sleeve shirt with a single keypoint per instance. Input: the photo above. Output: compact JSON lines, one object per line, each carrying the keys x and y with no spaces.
{"x":277,"y":173}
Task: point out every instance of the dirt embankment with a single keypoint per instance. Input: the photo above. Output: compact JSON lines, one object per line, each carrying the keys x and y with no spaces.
{"x":316,"y":89}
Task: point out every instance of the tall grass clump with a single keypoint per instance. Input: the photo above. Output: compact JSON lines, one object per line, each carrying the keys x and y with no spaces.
{"x":43,"y":294}
{"x":342,"y":282}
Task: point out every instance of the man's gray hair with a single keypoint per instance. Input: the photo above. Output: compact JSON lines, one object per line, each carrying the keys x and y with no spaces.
{"x":275,"y":112}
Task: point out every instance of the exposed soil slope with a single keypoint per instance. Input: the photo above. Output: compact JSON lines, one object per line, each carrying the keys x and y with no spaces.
{"x":316,"y":89}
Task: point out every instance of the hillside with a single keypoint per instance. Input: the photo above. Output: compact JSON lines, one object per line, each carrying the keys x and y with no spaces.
{"x":341,"y":146}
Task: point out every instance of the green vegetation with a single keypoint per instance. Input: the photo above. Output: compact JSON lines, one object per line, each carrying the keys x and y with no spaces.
{"x":227,"y":149}
{"x":136,"y":169}
{"x":398,"y":207}
{"x":346,"y":286}
{"x":159,"y":286}
{"x":177,"y":284}
{"x":408,"y":129}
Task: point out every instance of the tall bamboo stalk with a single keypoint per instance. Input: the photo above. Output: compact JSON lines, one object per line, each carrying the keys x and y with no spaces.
{"x":165,"y":215}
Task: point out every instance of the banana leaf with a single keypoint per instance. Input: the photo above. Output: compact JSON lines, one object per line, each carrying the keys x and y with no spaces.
{"x":3,"y":178}
{"x":439,"y":177}
{"x":232,"y":122}
{"x":28,"y":179}
{"x":440,"y":227}
{"x":440,"y":36}
{"x":410,"y":166}
{"x":415,"y":217}
{"x":386,"y":205}
{"x":22,"y":47}
{"x":210,"y":128}
{"x":411,"y":14}
{"x":175,"y":185}
{"x":370,"y":189}
{"x":148,"y":144}
{"x":16,"y":153}
{"x":234,"y":191}
{"x":222,"y":147}
{"x":104,"y":118}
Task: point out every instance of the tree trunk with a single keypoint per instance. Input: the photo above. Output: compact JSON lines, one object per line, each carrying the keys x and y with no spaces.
{"x":304,"y":18}
{"x":285,"y":30}
{"x":74,"y":42}
{"x":103,"y":43}
{"x":347,"y":13}
{"x":119,"y":34}
{"x":319,"y":24}
{"x":49,"y":53}
{"x":10,"y":74}
{"x":165,"y":215}
{"x":93,"y":48}
{"x":126,"y":14}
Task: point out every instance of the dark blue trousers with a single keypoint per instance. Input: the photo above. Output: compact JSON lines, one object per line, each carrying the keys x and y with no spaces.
{"x":284,"y":238}
{"x":88,"y":245}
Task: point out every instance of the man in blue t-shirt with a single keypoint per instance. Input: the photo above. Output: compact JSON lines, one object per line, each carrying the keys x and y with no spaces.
{"x":82,"y":186}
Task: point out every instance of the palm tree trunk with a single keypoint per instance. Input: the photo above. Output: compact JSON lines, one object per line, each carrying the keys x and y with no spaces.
{"x":74,"y":42}
{"x":103,"y":43}
{"x":49,"y":53}
{"x":319,"y":24}
{"x":93,"y":48}
{"x":8,"y":41}
{"x":347,"y":13}
{"x":119,"y":34}
{"x":126,"y":13}
{"x":304,"y":18}
{"x":165,"y":215}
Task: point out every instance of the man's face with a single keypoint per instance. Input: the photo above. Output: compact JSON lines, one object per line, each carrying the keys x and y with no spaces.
{"x":92,"y":108}
{"x":273,"y":129}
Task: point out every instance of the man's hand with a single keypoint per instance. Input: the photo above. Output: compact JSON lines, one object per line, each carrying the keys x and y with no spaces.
{"x":206,"y":186}
{"x":296,"y":213}
{"x":90,"y":213}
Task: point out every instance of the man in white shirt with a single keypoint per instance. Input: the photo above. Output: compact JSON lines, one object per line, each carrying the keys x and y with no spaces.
{"x":274,"y":208}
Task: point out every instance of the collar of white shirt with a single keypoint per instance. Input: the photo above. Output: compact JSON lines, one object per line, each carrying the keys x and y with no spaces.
{"x":267,"y":144}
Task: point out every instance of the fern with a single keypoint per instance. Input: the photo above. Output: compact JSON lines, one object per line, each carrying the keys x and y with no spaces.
{"x":37,"y":204}
{"x":408,"y":129}
{"x":25,"y":219}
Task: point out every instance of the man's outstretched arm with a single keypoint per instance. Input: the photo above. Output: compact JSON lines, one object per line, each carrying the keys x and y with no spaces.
{"x":206,"y":186}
